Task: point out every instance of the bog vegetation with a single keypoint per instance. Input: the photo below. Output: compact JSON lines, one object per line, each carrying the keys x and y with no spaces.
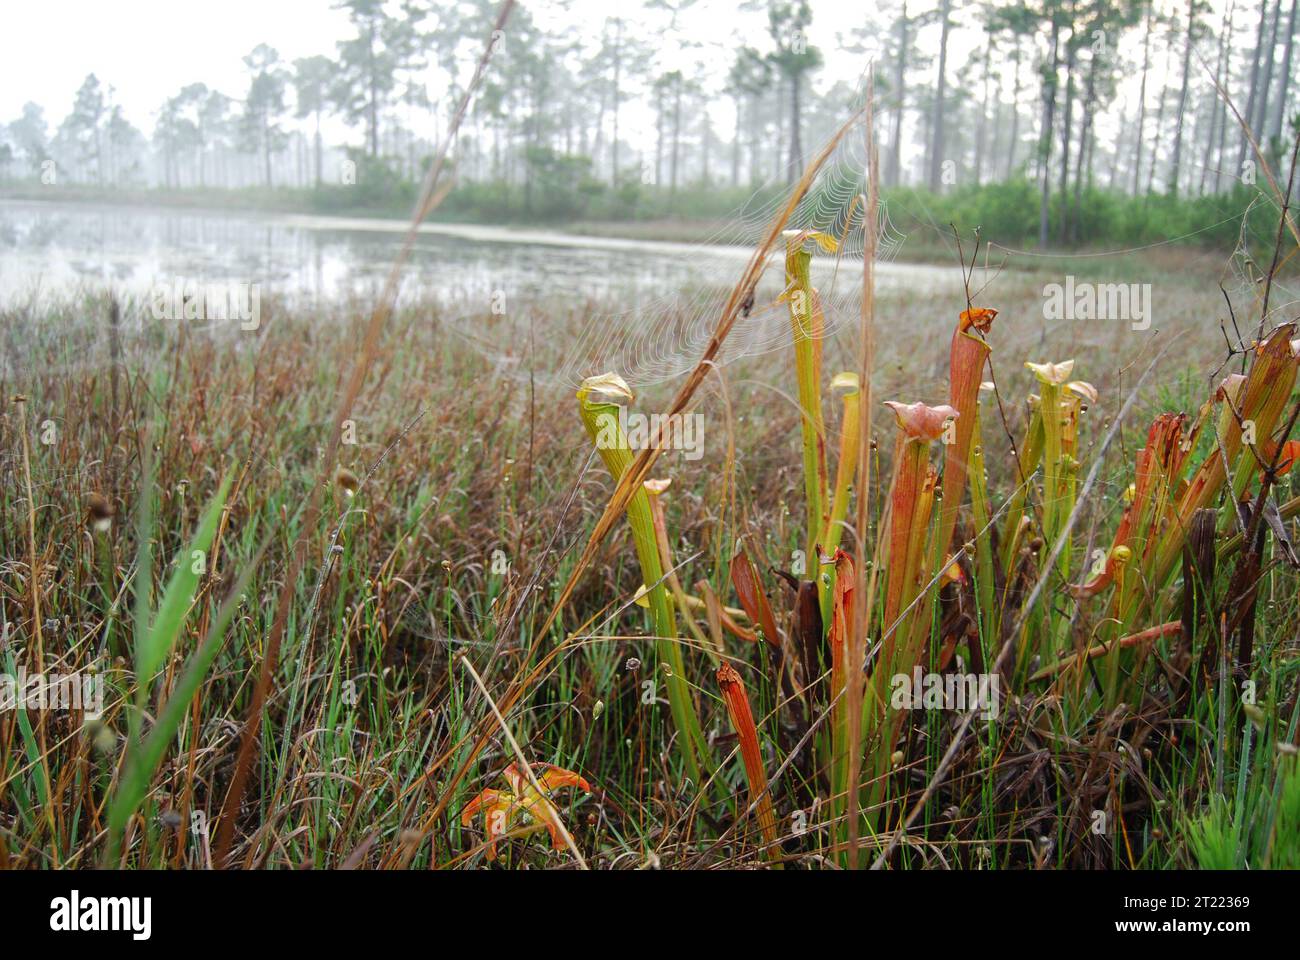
{"x":359,"y":595}
{"x":399,"y":652}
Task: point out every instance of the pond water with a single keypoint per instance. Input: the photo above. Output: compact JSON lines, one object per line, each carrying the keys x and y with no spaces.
{"x":59,"y":247}
{"x":645,"y":308}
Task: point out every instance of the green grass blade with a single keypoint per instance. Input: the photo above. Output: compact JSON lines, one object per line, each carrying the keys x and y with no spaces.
{"x":152,"y":646}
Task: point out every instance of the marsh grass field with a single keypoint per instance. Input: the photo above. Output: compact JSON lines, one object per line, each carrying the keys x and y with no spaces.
{"x":158,"y":479}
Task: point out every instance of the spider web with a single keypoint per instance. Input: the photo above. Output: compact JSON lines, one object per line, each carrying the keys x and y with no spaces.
{"x":663,"y":337}
{"x":1246,"y":278}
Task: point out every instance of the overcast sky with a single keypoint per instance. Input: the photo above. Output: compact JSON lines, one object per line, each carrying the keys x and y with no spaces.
{"x":146,"y":50}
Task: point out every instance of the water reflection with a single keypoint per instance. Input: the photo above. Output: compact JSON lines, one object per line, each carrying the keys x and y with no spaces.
{"x":57,"y":247}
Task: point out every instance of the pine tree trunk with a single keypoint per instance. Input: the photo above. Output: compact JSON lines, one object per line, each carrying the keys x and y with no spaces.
{"x":940,"y":90}
{"x":1160,"y":123}
{"x":755,"y":137}
{"x":894,"y":171}
{"x":1045,"y":137}
{"x":1015,"y":115}
{"x":618,"y":63}
{"x":659,"y":137}
{"x":1285,"y":85}
{"x":1260,"y":123}
{"x":735,"y":145}
{"x":1216,"y":111}
{"x":1113,"y":175}
{"x":1067,"y":120}
{"x":982,"y":129}
{"x":1254,"y":84}
{"x":706,"y":136}
{"x":1142,"y":106}
{"x":1175,"y":171}
{"x":677,"y":138}
{"x":1085,"y":132}
{"x":780,"y":132}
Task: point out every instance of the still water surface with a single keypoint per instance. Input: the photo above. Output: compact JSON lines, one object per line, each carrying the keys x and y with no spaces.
{"x":54,"y":248}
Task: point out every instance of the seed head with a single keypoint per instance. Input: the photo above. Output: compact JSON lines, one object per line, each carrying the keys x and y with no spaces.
{"x":346,"y":479}
{"x":99,"y":512}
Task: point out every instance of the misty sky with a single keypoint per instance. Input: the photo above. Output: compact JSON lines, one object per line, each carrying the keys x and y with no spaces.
{"x":148,"y":49}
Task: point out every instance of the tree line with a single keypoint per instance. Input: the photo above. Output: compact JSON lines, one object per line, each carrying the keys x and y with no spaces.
{"x":1072,"y":96}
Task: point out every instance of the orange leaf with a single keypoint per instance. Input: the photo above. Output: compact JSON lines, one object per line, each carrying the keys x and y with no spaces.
{"x":552,"y":778}
{"x":484,"y":801}
{"x":498,"y":810}
{"x":1290,"y":453}
{"x":750,"y":591}
{"x":501,"y":807}
{"x":742,"y":721}
{"x":841,"y":619}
